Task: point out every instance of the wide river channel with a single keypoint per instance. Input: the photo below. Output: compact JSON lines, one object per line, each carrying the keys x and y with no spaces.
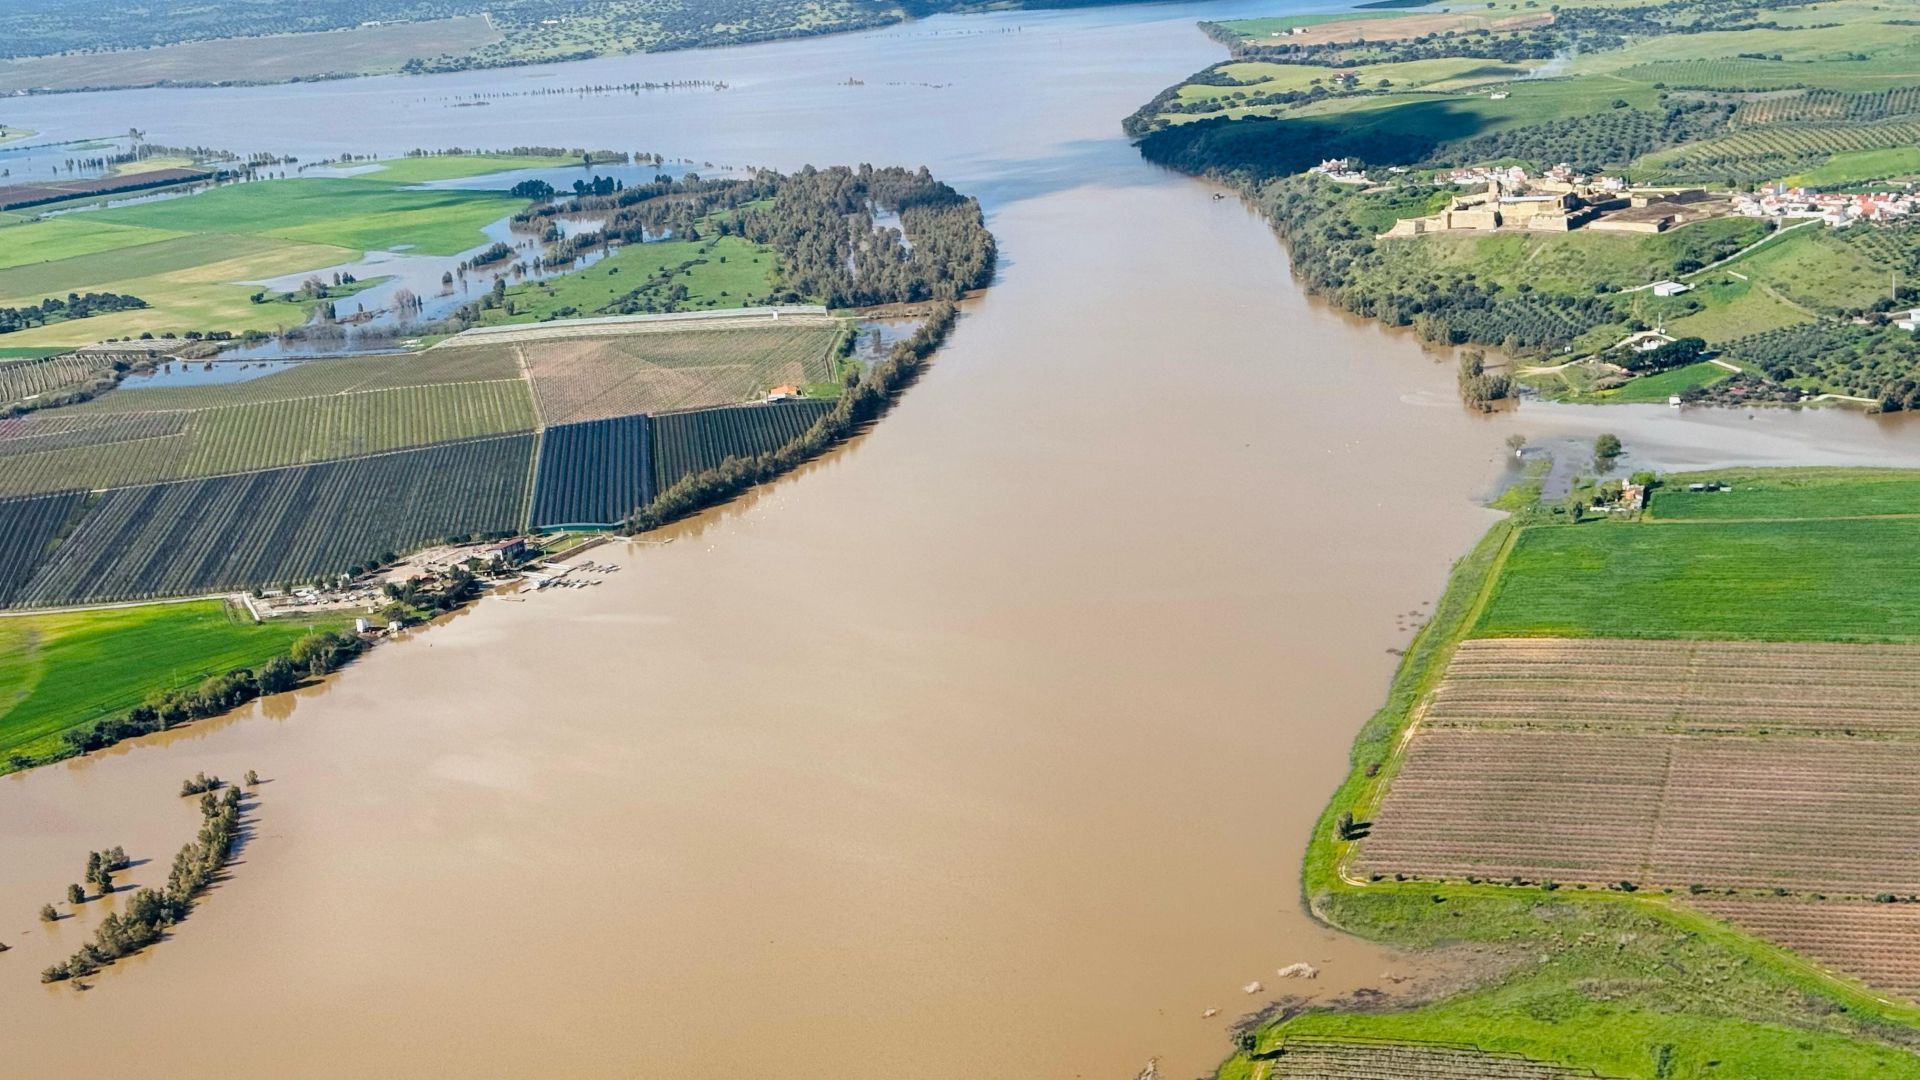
{"x":984,"y":747}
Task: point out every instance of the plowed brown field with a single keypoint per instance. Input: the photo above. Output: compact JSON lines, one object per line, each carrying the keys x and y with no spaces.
{"x":1837,"y":816}
{"x":1740,"y":687}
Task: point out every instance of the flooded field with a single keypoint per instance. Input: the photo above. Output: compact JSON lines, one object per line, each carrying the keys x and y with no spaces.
{"x":986,"y":746}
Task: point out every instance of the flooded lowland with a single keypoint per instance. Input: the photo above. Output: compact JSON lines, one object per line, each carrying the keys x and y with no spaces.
{"x":985,"y":746}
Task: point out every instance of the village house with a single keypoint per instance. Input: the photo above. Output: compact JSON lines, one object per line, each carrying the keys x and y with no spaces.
{"x":1644,"y":341}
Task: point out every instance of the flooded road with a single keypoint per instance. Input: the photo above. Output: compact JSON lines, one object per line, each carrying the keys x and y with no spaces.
{"x":985,"y":747}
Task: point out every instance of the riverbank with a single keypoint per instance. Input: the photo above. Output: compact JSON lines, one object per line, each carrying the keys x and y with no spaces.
{"x":1763,"y":1012}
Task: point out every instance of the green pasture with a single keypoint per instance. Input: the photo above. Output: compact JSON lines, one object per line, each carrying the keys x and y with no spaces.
{"x":1789,"y":493}
{"x":420,"y":170}
{"x":1731,"y":307}
{"x":1832,"y":47}
{"x":202,"y":296}
{"x":728,"y":271}
{"x":1641,"y":990}
{"x":1802,"y":580}
{"x":55,"y":239}
{"x":1817,"y":269}
{"x":1859,"y":166}
{"x":1656,"y":388}
{"x":61,"y":671}
{"x":364,"y":215}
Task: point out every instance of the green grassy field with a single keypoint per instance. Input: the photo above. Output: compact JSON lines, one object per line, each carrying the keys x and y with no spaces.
{"x":364,"y":215}
{"x":65,"y":670}
{"x":419,"y":170}
{"x":728,"y":271}
{"x":1858,"y":165}
{"x":190,"y":258}
{"x":1658,"y":387}
{"x":1789,"y":493}
{"x":1732,"y":306}
{"x":58,"y":238}
{"x":1575,"y":261}
{"x":1805,"y":580}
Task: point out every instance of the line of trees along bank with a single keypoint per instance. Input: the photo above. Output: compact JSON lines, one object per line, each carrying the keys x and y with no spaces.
{"x":819,"y":222}
{"x":151,"y":911}
{"x":311,"y":656}
{"x":861,"y":403}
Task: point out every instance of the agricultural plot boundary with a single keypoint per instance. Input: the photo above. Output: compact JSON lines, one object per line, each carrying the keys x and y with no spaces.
{"x":275,"y":526}
{"x":1732,"y":687}
{"x":594,"y":473}
{"x":1330,"y":1059}
{"x":1877,"y":943}
{"x":29,"y":527}
{"x":87,"y":449}
{"x":318,"y":469}
{"x":687,"y":443}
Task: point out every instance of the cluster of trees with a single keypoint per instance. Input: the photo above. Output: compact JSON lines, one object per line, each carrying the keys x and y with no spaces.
{"x":102,"y":865}
{"x":598,"y":185}
{"x":862,"y":403}
{"x":493,"y":253}
{"x":150,"y":911}
{"x":1857,"y":359}
{"x":1673,"y":354}
{"x":821,"y":224}
{"x":413,"y":599}
{"x":315,"y":654}
{"x":199,"y":784}
{"x":75,"y":306}
{"x":1479,"y":387}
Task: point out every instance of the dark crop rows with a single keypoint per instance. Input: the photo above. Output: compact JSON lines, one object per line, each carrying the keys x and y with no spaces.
{"x":28,"y":528}
{"x":691,"y":442}
{"x":284,"y":525}
{"x":593,"y":473}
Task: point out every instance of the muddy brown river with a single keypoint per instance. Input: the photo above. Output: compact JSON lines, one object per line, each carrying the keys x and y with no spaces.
{"x":985,"y":747}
